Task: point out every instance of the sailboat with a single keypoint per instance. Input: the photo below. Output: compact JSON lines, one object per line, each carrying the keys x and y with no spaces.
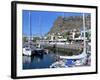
{"x":27,"y":49}
{"x":75,"y":60}
{"x":39,"y":48}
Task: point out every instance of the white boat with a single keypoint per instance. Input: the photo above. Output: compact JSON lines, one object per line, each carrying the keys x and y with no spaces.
{"x":80,"y":59}
{"x":58,"y":64}
{"x":27,"y":51}
{"x":80,"y":56}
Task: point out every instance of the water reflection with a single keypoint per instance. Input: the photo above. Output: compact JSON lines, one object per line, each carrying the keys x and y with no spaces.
{"x":37,"y":58}
{"x":26,"y":59}
{"x":38,"y":61}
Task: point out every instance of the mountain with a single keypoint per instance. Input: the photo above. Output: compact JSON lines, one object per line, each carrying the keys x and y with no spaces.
{"x":70,"y":23}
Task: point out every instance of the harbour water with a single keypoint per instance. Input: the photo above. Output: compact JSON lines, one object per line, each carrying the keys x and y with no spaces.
{"x":38,"y":61}
{"x":42,"y":61}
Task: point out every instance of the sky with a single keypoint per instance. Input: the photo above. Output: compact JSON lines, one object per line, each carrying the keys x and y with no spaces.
{"x":41,"y":21}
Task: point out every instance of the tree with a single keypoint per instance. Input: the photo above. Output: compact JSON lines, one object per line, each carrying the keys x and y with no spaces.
{"x":35,"y":39}
{"x":24,"y":39}
{"x":88,"y":35}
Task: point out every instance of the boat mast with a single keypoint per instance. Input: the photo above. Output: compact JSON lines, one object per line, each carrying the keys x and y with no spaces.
{"x":84,"y":33}
{"x":30,"y":28}
{"x":40,"y":26}
{"x":63,"y":29}
{"x":40,"y":31}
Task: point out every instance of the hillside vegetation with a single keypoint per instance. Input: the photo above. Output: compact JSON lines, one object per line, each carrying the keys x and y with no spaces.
{"x":69,"y":23}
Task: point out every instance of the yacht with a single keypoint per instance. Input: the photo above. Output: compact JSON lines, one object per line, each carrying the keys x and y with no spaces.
{"x":75,"y":60}
{"x":27,"y":51}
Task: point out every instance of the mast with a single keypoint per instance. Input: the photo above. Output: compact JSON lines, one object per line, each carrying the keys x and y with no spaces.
{"x":29,"y":28}
{"x":40,"y":31}
{"x":63,"y":29}
{"x":84,"y":50}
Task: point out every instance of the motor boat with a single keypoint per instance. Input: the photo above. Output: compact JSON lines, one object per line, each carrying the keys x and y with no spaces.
{"x":27,"y":51}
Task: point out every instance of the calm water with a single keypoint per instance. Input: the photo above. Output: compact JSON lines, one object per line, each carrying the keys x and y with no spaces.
{"x":40,"y":61}
{"x":37,"y":62}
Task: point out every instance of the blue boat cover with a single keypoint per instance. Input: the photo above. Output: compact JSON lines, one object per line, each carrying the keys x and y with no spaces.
{"x":69,"y":62}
